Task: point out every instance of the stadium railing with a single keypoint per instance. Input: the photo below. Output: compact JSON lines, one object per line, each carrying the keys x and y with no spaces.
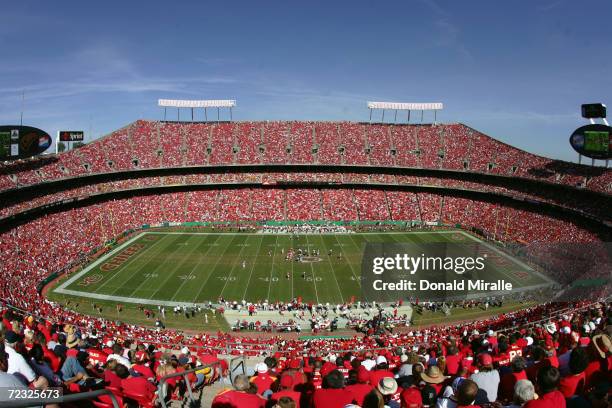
{"x":235,"y":364}
{"x":89,"y":395}
{"x":162,"y":388}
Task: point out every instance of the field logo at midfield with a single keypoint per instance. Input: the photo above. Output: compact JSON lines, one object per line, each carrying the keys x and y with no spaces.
{"x":91,"y":279}
{"x":121,"y":258}
{"x":310,"y":259}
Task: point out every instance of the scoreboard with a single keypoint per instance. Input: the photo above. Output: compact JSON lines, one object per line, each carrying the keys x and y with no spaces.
{"x":19,"y":142}
{"x":593,"y":141}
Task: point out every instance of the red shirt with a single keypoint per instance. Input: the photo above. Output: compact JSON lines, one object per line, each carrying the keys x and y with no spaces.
{"x":143,"y":370}
{"x":263,"y":382}
{"x":97,"y":357}
{"x":572,"y":385}
{"x":552,"y":399}
{"x":294,"y":395}
{"x":111,"y":379}
{"x":237,"y":399}
{"x":54,"y":361}
{"x":377,"y":375}
{"x":532,"y":372}
{"x":452,"y":364}
{"x":502,"y":359}
{"x":359,"y":391}
{"x":138,"y":385}
{"x":332,"y":398}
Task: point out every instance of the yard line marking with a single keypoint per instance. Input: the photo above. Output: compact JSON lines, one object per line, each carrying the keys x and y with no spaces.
{"x":170,"y":275}
{"x":232,"y":270}
{"x":349,"y":264}
{"x":512,"y":259}
{"x":202,"y":257}
{"x":333,"y":271}
{"x":314,"y":280}
{"x":124,"y":267}
{"x":228,"y":246}
{"x":246,"y":287}
{"x":272,"y":269}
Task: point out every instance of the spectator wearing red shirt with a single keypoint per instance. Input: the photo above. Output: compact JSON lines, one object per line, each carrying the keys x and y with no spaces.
{"x":333,"y":394}
{"x":508,"y":381}
{"x":141,"y":364}
{"x":411,"y":398}
{"x":539,"y":361}
{"x":550,"y":397}
{"x":453,"y":360}
{"x":263,"y":380}
{"x":238,"y":397}
{"x":361,"y":388}
{"x":286,"y":390}
{"x":111,"y":378}
{"x":135,"y":385}
{"x":434,"y":377}
{"x":573,"y":384}
{"x":381,"y":371}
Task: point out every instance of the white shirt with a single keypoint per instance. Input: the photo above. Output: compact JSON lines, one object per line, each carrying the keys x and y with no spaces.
{"x":120,"y":359}
{"x":18,"y":365}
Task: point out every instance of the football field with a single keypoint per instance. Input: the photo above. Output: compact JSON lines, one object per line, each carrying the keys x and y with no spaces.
{"x":179,"y":267}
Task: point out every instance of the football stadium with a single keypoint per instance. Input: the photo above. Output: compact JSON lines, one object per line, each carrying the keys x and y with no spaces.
{"x":217,"y":256}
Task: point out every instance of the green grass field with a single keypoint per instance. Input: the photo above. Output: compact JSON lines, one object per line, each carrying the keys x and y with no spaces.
{"x":175,"y":267}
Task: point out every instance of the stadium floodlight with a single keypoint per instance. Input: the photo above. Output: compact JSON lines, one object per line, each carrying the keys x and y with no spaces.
{"x":194,"y":104}
{"x":210,"y":103}
{"x":405,"y":106}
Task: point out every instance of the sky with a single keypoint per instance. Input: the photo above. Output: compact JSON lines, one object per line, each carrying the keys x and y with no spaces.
{"x":516,"y":70}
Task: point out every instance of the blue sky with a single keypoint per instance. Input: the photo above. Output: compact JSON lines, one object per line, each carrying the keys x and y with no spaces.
{"x":516,"y":70}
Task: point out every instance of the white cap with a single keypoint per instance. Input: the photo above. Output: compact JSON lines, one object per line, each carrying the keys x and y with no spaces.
{"x":566,"y":330}
{"x":185,"y":350}
{"x":381,"y":360}
{"x":403,"y":358}
{"x":110,"y":343}
{"x":529,"y":340}
{"x":368,"y":364}
{"x":490,"y":333}
{"x":261,"y":368}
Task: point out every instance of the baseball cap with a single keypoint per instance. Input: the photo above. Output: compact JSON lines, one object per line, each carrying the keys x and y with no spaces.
{"x":261,"y":368}
{"x":411,"y":398}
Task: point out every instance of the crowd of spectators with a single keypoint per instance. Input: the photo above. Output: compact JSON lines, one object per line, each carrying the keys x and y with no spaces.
{"x":552,"y":355}
{"x":147,"y":144}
